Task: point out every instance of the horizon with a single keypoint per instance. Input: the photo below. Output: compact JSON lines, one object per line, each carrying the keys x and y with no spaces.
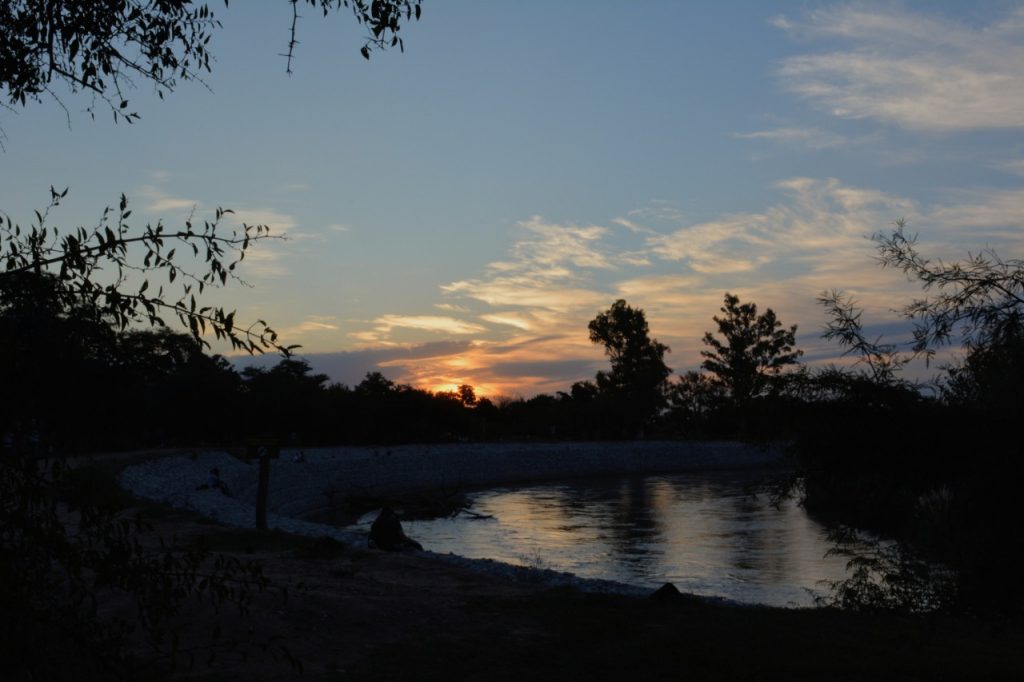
{"x":458,"y":212}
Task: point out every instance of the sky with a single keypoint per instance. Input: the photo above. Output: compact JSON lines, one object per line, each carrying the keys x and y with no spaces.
{"x":458,"y":212}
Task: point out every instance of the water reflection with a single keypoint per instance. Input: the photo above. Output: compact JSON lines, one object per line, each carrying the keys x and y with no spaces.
{"x":706,"y":533}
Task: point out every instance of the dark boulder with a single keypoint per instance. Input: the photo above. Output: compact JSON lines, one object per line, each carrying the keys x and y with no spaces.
{"x":667,"y":593}
{"x":386,"y":533}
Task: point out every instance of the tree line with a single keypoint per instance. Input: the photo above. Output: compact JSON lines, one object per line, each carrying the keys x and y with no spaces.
{"x":84,"y":383}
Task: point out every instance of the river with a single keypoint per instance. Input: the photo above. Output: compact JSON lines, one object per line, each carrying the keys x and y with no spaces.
{"x":708,"y":533}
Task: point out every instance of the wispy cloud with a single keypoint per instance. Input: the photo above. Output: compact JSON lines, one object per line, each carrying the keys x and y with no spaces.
{"x":385,"y":325}
{"x":264,"y":259}
{"x":428,"y":323}
{"x":547,"y":269}
{"x":267,"y":259}
{"x":519,"y":320}
{"x":279,"y":223}
{"x":657,"y":209}
{"x":1016,"y":166}
{"x":554,"y":245}
{"x":913,"y":69}
{"x":525,"y":316}
{"x":808,"y":138}
{"x":451,"y":307}
{"x":983,"y":218}
{"x":313,"y":324}
{"x":160,"y":202}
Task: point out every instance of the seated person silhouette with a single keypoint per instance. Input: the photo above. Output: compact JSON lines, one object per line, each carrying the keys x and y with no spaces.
{"x":213,"y":481}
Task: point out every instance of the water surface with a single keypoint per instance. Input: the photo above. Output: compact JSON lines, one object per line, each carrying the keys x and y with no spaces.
{"x":707,"y":533}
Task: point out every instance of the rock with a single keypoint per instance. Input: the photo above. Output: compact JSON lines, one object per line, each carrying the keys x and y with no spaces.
{"x":386,"y":533}
{"x":667,"y":593}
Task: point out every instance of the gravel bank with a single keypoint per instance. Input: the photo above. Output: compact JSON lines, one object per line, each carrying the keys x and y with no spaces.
{"x":329,"y":475}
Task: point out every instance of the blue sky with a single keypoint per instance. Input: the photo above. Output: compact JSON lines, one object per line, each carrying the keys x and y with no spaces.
{"x":459,"y":212}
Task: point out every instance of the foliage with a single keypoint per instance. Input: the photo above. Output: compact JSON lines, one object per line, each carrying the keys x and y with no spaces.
{"x":981,"y":298}
{"x":101,"y":46}
{"x":884,"y":360}
{"x":284,"y":399}
{"x":98,"y":46}
{"x":887,"y":576}
{"x":467,"y":396}
{"x":637,"y":380}
{"x":89,"y":269}
{"x":939,"y":475}
{"x":66,"y":561}
{"x":755,"y":350}
{"x":990,"y":375}
{"x":77,"y":374}
{"x":382,"y":18}
{"x":67,"y":370}
{"x":696,"y":400}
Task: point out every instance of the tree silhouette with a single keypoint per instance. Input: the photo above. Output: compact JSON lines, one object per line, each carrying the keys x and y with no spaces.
{"x":94,"y":267}
{"x":637,"y":380}
{"x":56,"y":545}
{"x":467,"y":395}
{"x":695,"y":399}
{"x":101,"y":46}
{"x":755,"y":349}
{"x":941,"y":475}
{"x":67,"y":299}
{"x":884,"y":360}
{"x":981,"y":299}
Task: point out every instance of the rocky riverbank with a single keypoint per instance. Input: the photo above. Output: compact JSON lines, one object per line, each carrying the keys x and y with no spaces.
{"x":303,"y":483}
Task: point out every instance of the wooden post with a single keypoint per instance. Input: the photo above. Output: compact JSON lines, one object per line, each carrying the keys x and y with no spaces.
{"x":265,"y":449}
{"x":261,"y":491}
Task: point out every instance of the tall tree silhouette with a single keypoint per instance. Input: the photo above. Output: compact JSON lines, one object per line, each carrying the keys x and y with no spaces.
{"x":637,"y":380}
{"x":754,"y":350}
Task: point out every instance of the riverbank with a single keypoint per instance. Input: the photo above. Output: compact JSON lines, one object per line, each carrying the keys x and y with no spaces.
{"x":357,"y":614}
{"x":307,"y":482}
{"x":310,"y":482}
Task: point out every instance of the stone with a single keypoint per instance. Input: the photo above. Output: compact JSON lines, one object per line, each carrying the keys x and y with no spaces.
{"x":386,"y":533}
{"x":667,"y":593}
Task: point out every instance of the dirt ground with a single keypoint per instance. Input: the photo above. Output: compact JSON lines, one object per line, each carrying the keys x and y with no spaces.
{"x":354,"y":614}
{"x":361,"y":614}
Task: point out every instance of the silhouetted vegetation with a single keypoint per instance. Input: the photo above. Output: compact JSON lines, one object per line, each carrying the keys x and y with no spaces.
{"x":83,"y":595}
{"x":937,"y":469}
{"x":101,"y":47}
{"x":755,"y":350}
{"x":635,"y":387}
{"x":76,"y":376}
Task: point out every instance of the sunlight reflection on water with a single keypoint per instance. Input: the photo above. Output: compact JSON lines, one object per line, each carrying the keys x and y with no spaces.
{"x":706,"y":533}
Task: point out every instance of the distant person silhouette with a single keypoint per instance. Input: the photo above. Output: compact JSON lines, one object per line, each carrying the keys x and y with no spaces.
{"x":213,"y":481}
